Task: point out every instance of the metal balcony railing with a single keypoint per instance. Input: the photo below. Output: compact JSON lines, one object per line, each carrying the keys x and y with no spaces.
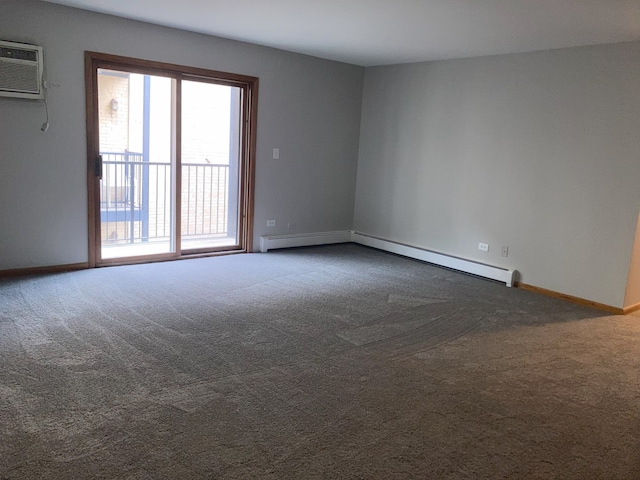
{"x":135,"y":199}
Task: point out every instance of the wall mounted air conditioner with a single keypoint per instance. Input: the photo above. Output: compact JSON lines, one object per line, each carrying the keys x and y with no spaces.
{"x":20,"y":70}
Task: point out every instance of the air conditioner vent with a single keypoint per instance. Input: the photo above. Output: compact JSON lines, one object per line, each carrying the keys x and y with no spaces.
{"x":20,"y":70}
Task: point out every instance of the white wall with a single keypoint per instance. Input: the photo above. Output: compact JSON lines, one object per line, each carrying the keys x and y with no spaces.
{"x":309,"y":108}
{"x":537,"y":151}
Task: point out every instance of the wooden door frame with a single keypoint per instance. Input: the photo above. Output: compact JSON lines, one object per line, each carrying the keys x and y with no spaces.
{"x":246,"y":188}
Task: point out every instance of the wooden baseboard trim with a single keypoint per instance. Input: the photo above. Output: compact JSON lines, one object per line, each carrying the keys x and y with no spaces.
{"x":572,"y":299}
{"x":631,"y":309}
{"x":20,"y":272}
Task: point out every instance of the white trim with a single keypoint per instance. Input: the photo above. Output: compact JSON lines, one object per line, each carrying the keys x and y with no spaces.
{"x":272,"y":242}
{"x":461,"y":264}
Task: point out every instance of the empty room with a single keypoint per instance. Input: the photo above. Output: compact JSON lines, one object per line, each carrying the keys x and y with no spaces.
{"x":297,"y":239}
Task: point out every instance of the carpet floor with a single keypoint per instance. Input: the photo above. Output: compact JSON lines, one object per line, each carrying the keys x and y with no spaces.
{"x":315,"y":363}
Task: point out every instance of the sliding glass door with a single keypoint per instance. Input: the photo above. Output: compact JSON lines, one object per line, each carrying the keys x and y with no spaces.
{"x":171,"y":160}
{"x":136,"y":117}
{"x":210,"y":165}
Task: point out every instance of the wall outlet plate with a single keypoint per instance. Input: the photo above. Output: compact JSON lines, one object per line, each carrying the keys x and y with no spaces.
{"x":483,"y":246}
{"x":271,"y":223}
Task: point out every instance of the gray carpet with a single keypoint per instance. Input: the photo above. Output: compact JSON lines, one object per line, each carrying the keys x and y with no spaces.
{"x":330,"y":362}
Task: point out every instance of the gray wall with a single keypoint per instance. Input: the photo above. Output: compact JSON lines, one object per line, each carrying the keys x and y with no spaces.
{"x":536,"y":151}
{"x":309,"y":108}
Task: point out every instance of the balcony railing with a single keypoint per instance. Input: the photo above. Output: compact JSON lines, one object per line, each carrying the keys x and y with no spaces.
{"x":135,"y":199}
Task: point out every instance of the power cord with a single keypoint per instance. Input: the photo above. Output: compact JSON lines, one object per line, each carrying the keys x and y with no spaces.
{"x":45,"y":125}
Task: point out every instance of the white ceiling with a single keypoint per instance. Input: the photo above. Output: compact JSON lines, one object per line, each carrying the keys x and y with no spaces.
{"x":381,"y":32}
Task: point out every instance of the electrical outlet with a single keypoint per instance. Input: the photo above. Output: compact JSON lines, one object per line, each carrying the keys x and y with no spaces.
{"x":276,"y":153}
{"x":505,"y":251}
{"x":271,"y":223}
{"x":483,"y":246}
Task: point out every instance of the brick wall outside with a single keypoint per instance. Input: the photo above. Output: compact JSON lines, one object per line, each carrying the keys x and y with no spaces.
{"x":114,"y":124}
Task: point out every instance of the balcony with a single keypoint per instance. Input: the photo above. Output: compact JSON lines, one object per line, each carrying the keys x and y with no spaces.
{"x":136,"y":212}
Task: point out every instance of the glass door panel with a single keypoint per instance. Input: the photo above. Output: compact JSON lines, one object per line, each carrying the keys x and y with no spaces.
{"x":210,"y":158}
{"x":171,"y":160}
{"x":136,"y":116}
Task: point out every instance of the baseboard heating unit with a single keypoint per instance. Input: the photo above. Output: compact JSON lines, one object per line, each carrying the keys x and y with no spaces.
{"x":273,"y":242}
{"x":324,"y":238}
{"x":467,"y":266}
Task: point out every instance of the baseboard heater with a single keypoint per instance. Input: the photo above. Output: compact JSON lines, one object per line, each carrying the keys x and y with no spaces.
{"x":461,"y":264}
{"x":467,"y":266}
{"x":272,"y":242}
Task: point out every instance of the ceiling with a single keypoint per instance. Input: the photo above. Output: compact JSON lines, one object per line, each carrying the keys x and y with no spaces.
{"x":382,"y":32}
